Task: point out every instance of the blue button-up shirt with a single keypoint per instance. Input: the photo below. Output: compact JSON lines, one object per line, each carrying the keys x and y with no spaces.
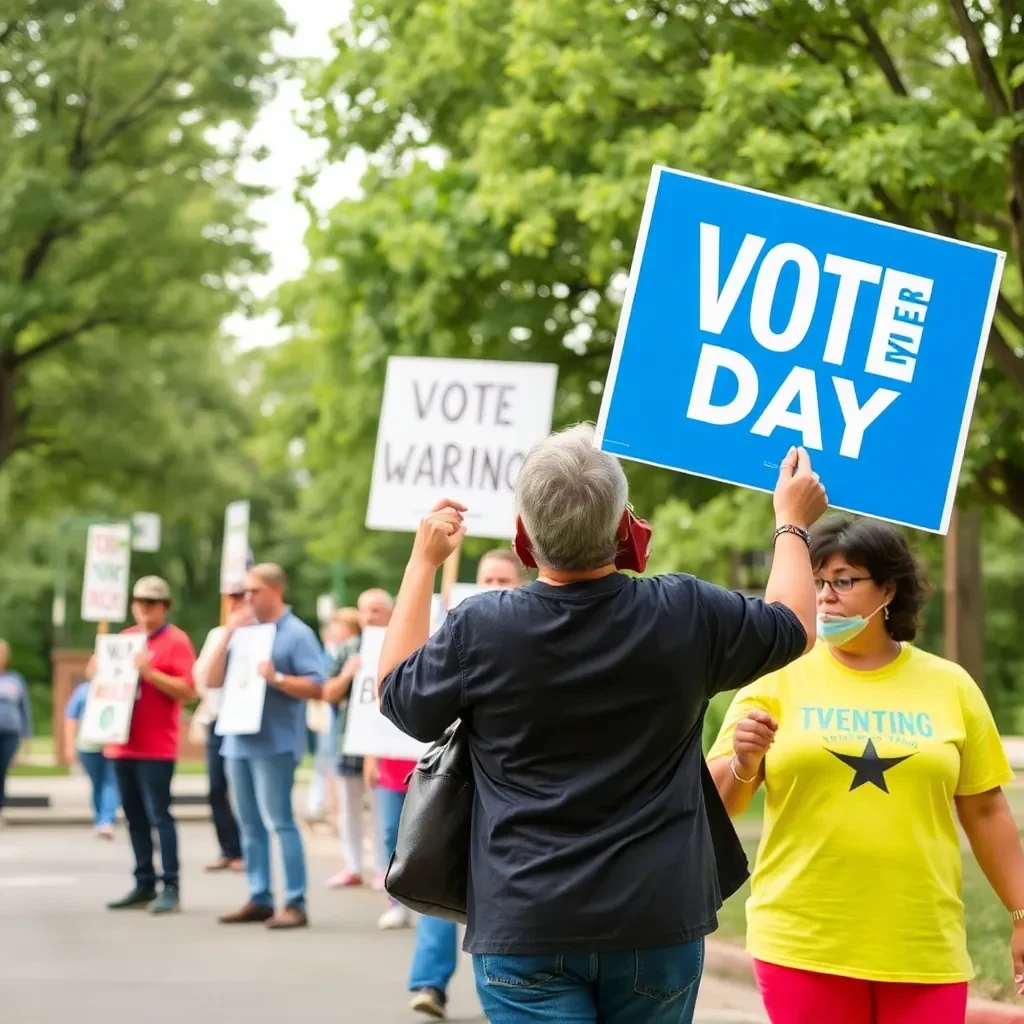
{"x":296,"y":652}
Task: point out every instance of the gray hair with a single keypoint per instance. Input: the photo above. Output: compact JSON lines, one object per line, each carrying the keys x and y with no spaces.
{"x":571,"y":497}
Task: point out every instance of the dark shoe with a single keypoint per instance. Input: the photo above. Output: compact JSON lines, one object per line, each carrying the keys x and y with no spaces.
{"x":168,"y":902}
{"x":290,"y":917}
{"x":251,"y":913}
{"x":431,"y":1001}
{"x":137,"y":899}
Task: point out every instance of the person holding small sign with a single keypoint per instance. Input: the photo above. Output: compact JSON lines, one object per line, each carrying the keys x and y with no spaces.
{"x":600,"y":851}
{"x":261,"y":766}
{"x":204,"y":722}
{"x":94,"y":763}
{"x":372,"y":609}
{"x":870,"y":752}
{"x":144,"y":766}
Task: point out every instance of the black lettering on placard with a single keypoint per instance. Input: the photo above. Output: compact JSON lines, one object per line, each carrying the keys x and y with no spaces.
{"x":459,"y":405}
{"x":515,"y":460}
{"x":452,"y":465}
{"x":481,"y":400}
{"x":367,"y":690}
{"x":452,"y":457}
{"x":503,"y":405}
{"x":492,"y":401}
{"x":422,"y":408}
{"x":399,"y":469}
{"x":426,"y":467}
{"x":491,"y":469}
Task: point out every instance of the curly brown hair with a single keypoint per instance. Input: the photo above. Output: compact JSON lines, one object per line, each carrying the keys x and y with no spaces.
{"x":882,"y":551}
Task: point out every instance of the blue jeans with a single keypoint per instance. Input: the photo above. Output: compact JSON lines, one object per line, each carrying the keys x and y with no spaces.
{"x":262,"y":790}
{"x":104,"y":786}
{"x":436,"y":954}
{"x":389,"y":805}
{"x":145,"y":788}
{"x":9,"y":743}
{"x":224,"y":823}
{"x":637,"y":986}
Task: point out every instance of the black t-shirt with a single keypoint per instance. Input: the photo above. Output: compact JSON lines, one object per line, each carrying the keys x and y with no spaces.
{"x":584,"y":705}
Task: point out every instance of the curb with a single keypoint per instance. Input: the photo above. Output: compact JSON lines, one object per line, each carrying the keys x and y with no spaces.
{"x":733,"y":962}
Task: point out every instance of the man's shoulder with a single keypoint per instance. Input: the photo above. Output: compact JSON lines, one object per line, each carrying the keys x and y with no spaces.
{"x":296,"y":629}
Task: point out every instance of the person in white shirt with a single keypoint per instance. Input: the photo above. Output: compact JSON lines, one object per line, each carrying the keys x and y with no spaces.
{"x":205,"y":720}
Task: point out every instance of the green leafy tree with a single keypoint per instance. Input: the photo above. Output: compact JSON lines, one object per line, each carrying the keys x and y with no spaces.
{"x":126,"y":233}
{"x":510,"y":147}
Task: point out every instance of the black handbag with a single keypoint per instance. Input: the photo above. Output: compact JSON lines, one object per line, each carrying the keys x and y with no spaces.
{"x":429,"y":872}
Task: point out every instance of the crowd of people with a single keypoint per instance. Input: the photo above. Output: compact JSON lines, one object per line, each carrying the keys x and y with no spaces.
{"x":601,"y":847}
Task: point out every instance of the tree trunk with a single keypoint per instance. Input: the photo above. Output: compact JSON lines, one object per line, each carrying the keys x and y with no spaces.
{"x":9,"y":419}
{"x":964,"y":625}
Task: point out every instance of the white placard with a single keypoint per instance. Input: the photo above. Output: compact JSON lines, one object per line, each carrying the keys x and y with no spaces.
{"x":108,"y":554}
{"x":107,"y":717}
{"x":458,"y":428}
{"x":234,"y":556}
{"x":367,"y":731}
{"x":437,"y":613}
{"x":241,"y":712}
{"x":460,"y":591}
{"x":145,"y":531}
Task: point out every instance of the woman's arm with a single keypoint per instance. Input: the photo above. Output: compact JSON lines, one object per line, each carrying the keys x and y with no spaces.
{"x":736,"y":795}
{"x":992,"y":832}
{"x":439,"y":534}
{"x":70,"y":735}
{"x":738,"y":774}
{"x":799,"y":501}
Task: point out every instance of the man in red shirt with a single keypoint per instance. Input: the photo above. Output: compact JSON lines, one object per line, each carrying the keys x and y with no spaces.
{"x":144,"y":765}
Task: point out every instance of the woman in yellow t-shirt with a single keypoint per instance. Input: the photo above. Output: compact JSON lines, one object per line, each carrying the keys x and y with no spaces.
{"x":865,"y":746}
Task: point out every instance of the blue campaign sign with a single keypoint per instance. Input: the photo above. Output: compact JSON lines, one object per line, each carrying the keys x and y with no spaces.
{"x":752,"y":323}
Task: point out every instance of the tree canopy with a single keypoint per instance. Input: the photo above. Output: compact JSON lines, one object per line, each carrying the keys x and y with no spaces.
{"x":510,"y":147}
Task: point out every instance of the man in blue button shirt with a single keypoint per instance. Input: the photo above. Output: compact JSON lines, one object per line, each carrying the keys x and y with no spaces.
{"x":261,"y":767}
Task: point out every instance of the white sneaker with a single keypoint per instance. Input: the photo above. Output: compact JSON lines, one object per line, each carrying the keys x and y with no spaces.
{"x":396,"y":916}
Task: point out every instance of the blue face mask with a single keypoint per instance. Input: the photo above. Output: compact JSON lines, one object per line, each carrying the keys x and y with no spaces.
{"x":839,"y":630}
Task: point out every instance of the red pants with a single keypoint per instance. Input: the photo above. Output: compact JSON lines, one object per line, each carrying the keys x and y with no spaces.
{"x":804,"y":997}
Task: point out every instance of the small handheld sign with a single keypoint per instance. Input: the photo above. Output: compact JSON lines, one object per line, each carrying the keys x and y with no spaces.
{"x":367,"y":731}
{"x":245,"y":690}
{"x":107,"y":717}
{"x":754,"y":322}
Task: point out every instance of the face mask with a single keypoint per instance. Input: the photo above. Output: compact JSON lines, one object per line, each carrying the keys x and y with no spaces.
{"x":839,"y":630}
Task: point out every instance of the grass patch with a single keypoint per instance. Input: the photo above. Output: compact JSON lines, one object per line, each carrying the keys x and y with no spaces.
{"x":36,"y":771}
{"x":988,"y":928}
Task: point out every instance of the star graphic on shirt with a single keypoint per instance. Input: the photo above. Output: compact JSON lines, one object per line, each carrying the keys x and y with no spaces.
{"x":869,"y":767}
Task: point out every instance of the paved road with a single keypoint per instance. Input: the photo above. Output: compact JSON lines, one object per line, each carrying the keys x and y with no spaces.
{"x":62,"y":957}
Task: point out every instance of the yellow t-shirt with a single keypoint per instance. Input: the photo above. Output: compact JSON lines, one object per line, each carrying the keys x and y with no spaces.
{"x":859,"y":871}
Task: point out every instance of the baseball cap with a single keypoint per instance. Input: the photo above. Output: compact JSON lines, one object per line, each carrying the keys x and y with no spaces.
{"x":151,"y":588}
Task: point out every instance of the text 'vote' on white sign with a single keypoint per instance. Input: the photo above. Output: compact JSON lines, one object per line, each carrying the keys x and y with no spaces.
{"x":753,"y":323}
{"x":367,"y":731}
{"x":457,"y":428}
{"x":108,"y":552}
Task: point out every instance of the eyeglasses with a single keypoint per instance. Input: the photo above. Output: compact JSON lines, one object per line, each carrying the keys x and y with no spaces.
{"x":840,"y":585}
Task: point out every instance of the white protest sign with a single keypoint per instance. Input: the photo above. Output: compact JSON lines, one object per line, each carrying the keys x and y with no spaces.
{"x":460,"y":591}
{"x":108,"y":710}
{"x":241,"y":712}
{"x":146,"y":531}
{"x":367,"y":731}
{"x":437,"y":613}
{"x":234,"y":558}
{"x":456,"y":427}
{"x":108,"y":555}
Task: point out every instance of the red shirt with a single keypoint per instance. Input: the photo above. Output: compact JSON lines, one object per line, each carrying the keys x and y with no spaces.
{"x":392,"y":773}
{"x":156,"y":719}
